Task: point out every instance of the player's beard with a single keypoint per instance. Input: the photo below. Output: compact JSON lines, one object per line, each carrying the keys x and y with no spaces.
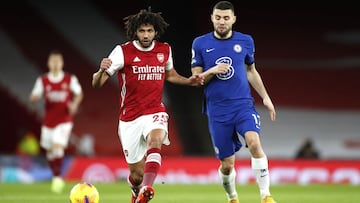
{"x":222,"y":33}
{"x":145,"y":43}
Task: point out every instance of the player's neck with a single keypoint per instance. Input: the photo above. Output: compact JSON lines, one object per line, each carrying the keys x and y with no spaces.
{"x":56,"y":73}
{"x":227,"y":36}
{"x":138,"y":45}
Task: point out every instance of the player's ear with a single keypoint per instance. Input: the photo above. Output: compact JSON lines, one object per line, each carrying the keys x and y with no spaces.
{"x":212,"y":18}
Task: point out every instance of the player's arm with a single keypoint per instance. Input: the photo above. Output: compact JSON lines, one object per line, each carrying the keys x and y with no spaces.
{"x":208,"y":74}
{"x":37,"y":91}
{"x":172,"y":76}
{"x":257,"y":83}
{"x":75,"y":103}
{"x":108,"y":67}
{"x":78,"y":95}
{"x":100,"y":77}
{"x":34,"y":98}
{"x":197,"y":62}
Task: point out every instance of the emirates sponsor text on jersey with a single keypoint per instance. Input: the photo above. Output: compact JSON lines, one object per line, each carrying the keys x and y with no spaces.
{"x":149,"y":72}
{"x":57,"y":96}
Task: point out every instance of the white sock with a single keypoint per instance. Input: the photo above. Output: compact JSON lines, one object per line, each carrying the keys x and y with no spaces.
{"x":261,"y":172}
{"x":229,"y":184}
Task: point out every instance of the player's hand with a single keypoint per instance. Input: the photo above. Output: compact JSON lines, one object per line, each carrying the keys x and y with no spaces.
{"x":72,"y":108}
{"x":269,"y":105}
{"x":34,"y":98}
{"x":105,"y":64}
{"x":220,"y":68}
{"x":197,"y":80}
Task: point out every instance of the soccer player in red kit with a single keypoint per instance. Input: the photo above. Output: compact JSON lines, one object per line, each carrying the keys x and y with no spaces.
{"x":142,"y":65}
{"x":62,"y":93}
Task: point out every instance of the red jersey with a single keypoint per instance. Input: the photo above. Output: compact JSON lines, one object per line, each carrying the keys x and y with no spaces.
{"x":57,"y":94}
{"x":141,"y":75}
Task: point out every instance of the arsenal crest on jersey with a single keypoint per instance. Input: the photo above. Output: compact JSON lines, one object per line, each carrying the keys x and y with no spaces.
{"x":160,"y":57}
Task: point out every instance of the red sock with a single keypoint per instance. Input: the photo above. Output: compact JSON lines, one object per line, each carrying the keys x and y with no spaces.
{"x":59,"y":163}
{"x":52,"y":165}
{"x":56,"y":165}
{"x":152,"y":166}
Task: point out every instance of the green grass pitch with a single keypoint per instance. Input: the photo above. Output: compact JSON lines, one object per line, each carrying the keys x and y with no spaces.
{"x":169,"y":193}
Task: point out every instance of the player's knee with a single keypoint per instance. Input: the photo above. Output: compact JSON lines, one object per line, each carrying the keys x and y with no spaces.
{"x":58,"y":152}
{"x":50,"y":155}
{"x":155,"y":141}
{"x":253,"y":141}
{"x":154,"y":144}
{"x":254,"y":145}
{"x":226,"y":167}
{"x":226,"y":170}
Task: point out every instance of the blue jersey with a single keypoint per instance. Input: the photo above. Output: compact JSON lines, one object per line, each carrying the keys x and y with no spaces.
{"x":225,"y":93}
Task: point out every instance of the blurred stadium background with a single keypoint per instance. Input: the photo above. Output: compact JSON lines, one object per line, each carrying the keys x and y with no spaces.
{"x":308,"y":54}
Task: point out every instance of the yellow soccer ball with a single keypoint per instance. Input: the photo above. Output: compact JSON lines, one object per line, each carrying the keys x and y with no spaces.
{"x":84,"y":193}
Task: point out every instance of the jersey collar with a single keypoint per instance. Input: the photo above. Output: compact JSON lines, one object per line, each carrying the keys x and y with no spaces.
{"x":142,"y":48}
{"x":57,"y":78}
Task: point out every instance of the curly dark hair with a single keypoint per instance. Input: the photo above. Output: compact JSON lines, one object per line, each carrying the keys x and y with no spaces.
{"x":145,"y":16}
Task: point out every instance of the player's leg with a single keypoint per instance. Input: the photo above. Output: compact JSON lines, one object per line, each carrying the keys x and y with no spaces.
{"x":60,"y":139}
{"x":227,"y":175}
{"x":134,"y":148}
{"x":56,"y":162}
{"x":152,"y":164}
{"x":155,"y":140}
{"x":135,"y":178}
{"x":54,"y":141}
{"x":155,"y":134}
{"x":223,"y":142}
{"x":259,"y":164}
{"x":250,"y":128}
{"x":46,"y":143}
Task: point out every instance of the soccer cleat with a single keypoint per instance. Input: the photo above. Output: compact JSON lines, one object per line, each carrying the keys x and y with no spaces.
{"x":234,"y":200}
{"x":268,"y":199}
{"x":57,"y":185}
{"x":146,"y":193}
{"x":134,"y":193}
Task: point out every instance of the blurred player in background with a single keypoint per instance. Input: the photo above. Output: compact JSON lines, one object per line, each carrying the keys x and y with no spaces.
{"x":63,"y":94}
{"x":225,"y":59}
{"x":142,"y":65}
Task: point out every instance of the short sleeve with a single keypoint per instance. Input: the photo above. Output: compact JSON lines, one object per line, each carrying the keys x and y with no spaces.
{"x":117,"y":58}
{"x":196,"y":58}
{"x":170,"y":62}
{"x":75,"y":86}
{"x":38,"y":88}
{"x":250,"y":58}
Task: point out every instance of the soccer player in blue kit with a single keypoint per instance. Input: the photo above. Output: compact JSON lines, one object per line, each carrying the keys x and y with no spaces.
{"x":225,"y":59}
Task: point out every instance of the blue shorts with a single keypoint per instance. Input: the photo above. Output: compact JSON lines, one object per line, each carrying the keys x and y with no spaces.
{"x":229,"y":136}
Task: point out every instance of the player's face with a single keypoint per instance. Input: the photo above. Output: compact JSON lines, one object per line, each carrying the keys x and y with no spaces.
{"x":223,"y":21}
{"x":145,"y":34}
{"x":55,"y":63}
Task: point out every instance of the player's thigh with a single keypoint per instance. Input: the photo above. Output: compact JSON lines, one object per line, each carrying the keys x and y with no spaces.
{"x":61,"y":134}
{"x":222,"y":138}
{"x":46,"y":137}
{"x":249,"y":122}
{"x":132,"y":140}
{"x":157,"y":121}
